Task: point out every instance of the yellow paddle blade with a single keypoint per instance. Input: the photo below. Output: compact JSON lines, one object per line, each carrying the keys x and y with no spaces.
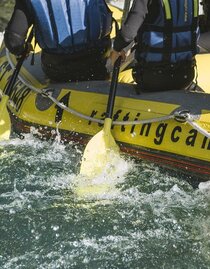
{"x":94,"y":191}
{"x":5,"y":122}
{"x":99,"y":151}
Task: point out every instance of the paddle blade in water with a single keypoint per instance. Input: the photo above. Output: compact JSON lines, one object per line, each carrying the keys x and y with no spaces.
{"x":5,"y":122}
{"x":99,"y":152}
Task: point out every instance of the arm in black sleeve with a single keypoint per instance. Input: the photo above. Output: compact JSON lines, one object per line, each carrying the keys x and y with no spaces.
{"x":132,"y":24}
{"x":17,"y":28}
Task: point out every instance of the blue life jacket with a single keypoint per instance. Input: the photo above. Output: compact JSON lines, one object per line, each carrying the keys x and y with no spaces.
{"x":71,"y":25}
{"x":172,"y":37}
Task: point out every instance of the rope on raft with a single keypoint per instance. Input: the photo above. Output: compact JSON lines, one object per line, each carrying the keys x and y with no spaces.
{"x":181,"y":116}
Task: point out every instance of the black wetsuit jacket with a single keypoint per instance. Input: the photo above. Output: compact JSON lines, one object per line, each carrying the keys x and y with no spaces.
{"x":17,"y":28}
{"x":134,"y":21}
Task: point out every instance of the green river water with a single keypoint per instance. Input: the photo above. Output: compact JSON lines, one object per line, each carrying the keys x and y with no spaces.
{"x":149,"y":219}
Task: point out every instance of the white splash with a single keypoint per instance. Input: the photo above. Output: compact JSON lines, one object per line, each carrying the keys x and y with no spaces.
{"x":103,"y":186}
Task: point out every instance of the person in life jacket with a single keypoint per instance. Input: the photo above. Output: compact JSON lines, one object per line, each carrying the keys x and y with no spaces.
{"x":74,"y":36}
{"x":166,"y":34}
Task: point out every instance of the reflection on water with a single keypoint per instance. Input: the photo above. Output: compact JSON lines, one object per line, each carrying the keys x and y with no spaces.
{"x":150,"y":219}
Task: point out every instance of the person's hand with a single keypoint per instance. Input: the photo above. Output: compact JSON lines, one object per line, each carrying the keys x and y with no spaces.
{"x":25,"y":50}
{"x":116,"y":54}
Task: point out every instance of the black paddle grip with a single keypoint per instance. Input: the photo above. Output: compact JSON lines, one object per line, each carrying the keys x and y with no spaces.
{"x":113,"y":87}
{"x":16,"y":71}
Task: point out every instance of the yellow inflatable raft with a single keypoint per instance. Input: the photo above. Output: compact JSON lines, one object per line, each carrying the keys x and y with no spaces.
{"x":170,"y":128}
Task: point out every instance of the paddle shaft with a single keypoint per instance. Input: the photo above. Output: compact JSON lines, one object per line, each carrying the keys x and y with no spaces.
{"x":97,"y":152}
{"x":113,"y":88}
{"x":13,"y":78}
